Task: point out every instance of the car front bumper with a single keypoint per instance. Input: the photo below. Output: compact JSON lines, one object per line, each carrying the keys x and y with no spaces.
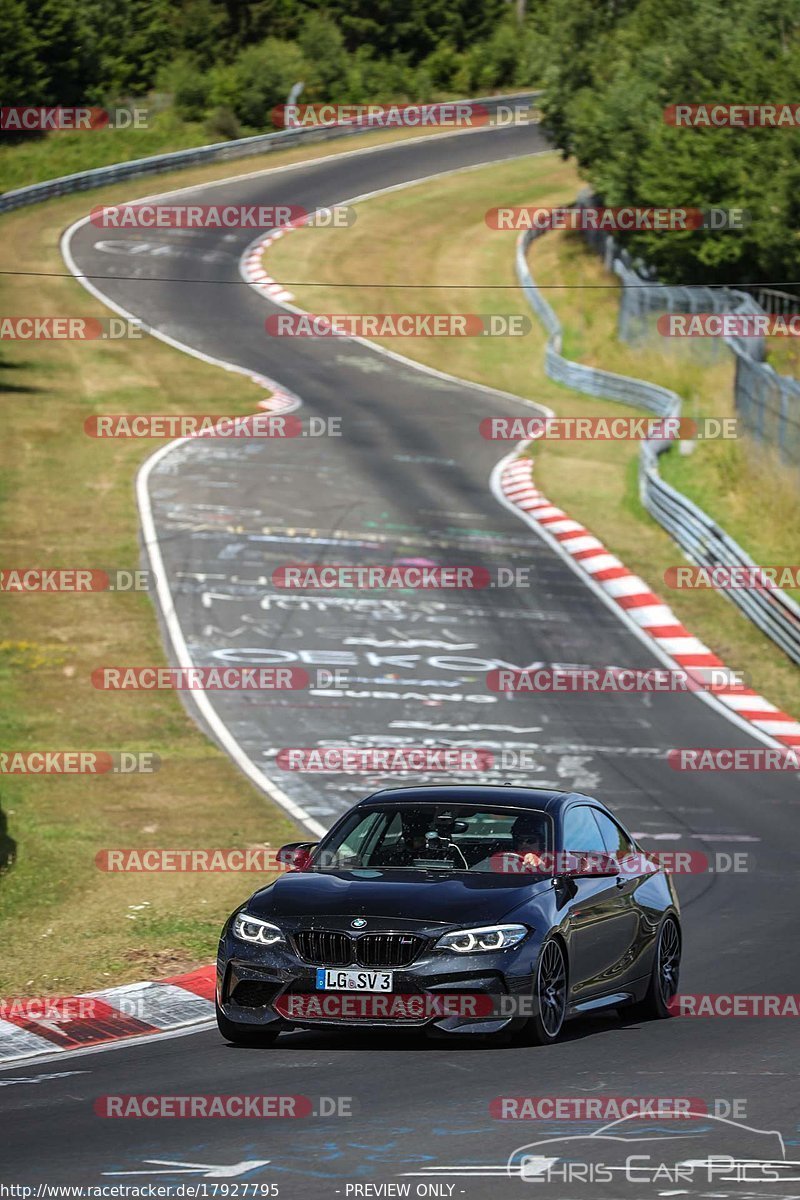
{"x":481,"y":993}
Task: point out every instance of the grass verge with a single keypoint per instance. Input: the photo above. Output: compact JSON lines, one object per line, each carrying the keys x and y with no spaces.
{"x":436,"y":232}
{"x":63,"y":153}
{"x":783,"y":354}
{"x":36,"y":159}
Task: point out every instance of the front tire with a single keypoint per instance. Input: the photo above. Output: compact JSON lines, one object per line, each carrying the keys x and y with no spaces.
{"x":550,"y":990}
{"x":663,"y":985}
{"x":243,"y":1035}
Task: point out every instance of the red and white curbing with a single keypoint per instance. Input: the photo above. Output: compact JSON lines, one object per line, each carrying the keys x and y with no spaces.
{"x":638,"y":602}
{"x":36,"y":1027}
{"x":253,"y":266}
{"x":280,"y":401}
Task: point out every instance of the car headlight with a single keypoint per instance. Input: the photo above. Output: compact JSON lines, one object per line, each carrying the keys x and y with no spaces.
{"x":488,"y":937}
{"x":253,"y":929}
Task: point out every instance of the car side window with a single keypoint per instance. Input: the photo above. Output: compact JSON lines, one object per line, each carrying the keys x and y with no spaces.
{"x":616,"y":840}
{"x":581,"y":831}
{"x":357,"y":845}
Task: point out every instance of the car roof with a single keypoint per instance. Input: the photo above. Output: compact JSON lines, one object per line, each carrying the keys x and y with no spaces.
{"x":544,"y":799}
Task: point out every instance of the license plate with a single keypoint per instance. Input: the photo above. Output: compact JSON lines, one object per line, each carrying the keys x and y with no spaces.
{"x":353,"y":981}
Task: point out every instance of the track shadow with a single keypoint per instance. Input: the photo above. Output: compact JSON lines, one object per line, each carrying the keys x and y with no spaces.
{"x":404,"y":1040}
{"x":8,"y":847}
{"x":19,"y":388}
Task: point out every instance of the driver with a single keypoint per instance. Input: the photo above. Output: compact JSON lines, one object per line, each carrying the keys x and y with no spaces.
{"x":528,"y":849}
{"x":528,"y":841}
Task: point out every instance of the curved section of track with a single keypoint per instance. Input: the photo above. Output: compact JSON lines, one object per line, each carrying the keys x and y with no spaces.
{"x":409,"y":478}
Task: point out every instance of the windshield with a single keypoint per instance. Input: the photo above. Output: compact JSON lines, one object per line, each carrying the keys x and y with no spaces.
{"x":446,"y":837}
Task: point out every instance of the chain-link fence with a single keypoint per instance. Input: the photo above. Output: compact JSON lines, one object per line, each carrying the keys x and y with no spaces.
{"x":767,"y":404}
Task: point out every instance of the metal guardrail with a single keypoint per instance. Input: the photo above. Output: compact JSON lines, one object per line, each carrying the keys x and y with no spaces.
{"x":700,"y":538}
{"x":157,"y":163}
{"x":260,"y":143}
{"x":774,"y":301}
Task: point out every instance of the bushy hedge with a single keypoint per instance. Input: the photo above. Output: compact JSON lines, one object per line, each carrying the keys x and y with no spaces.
{"x":611,"y":71}
{"x":232,"y":61}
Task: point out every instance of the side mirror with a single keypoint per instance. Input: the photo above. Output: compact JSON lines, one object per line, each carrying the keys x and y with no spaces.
{"x":295,"y":856}
{"x":590,"y":863}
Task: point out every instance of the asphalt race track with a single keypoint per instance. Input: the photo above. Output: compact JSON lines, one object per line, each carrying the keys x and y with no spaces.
{"x":409,"y":479}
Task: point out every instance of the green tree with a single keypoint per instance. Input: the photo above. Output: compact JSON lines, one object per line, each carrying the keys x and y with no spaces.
{"x":66,"y":51}
{"x":322,"y":45}
{"x":20,"y":66}
{"x":257,"y":81}
{"x":613,"y":72}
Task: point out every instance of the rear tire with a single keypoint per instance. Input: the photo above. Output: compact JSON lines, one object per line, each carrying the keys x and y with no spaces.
{"x":550,"y":990}
{"x":244,"y":1035}
{"x":664,"y":976}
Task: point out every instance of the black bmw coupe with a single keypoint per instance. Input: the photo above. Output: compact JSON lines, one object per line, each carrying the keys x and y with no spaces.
{"x":460,"y":909}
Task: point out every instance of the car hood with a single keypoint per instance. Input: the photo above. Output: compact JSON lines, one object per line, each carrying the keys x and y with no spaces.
{"x":427,"y":897}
